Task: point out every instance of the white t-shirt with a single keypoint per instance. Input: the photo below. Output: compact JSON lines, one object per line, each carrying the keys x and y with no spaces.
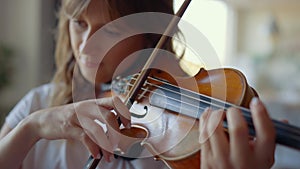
{"x":63,"y":154}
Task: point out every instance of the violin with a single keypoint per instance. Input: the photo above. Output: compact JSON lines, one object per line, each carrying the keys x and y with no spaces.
{"x":166,"y":110}
{"x":171,"y":113}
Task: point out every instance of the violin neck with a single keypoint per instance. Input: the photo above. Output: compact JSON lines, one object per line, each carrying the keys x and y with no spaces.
{"x":286,"y":134}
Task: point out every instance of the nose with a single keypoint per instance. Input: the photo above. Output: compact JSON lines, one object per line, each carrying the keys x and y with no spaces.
{"x":86,"y":36}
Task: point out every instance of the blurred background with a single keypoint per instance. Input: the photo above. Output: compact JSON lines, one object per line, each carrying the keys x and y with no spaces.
{"x":259,"y":37}
{"x":26,"y":48}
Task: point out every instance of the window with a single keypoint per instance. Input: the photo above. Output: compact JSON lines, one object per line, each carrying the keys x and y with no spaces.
{"x":210,"y":18}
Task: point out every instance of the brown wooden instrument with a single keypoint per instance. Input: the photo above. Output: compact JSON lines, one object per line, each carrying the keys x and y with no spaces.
{"x":171,"y":113}
{"x":166,"y":112}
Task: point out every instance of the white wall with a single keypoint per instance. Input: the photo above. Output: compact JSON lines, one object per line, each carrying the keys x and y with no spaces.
{"x":23,"y":29}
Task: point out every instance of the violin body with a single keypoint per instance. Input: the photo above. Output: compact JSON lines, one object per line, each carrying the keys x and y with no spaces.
{"x":173,"y":129}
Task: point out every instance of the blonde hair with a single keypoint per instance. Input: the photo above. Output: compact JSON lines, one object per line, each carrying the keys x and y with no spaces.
{"x":65,"y":61}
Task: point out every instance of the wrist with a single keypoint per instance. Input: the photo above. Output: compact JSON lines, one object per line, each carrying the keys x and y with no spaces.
{"x":17,"y":143}
{"x":29,"y":128}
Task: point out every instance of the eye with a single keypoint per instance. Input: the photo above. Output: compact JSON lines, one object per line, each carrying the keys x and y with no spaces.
{"x":112,"y":31}
{"x":80,"y":23}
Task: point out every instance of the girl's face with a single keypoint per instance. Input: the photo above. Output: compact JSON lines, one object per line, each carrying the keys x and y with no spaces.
{"x":82,"y":28}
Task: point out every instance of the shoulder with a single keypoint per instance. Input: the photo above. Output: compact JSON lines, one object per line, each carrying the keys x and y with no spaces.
{"x":36,"y":99}
{"x":42,"y":92}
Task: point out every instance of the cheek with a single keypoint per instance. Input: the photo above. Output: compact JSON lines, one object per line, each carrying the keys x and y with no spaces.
{"x":121,"y":58}
{"x":75,"y":41}
{"x":128,"y":46}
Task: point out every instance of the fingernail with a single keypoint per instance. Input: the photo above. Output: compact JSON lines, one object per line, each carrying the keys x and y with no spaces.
{"x":207,"y":109}
{"x":254,"y":101}
{"x":98,"y":156}
{"x":128,"y":126}
{"x":118,"y":151}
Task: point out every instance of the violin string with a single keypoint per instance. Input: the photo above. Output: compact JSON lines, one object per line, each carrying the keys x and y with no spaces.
{"x":146,"y":97}
{"x":220,"y":106}
{"x":201,"y":95}
{"x":279,"y":124}
{"x":171,"y":98}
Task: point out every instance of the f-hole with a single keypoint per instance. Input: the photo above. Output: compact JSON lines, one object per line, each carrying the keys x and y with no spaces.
{"x":141,"y":115}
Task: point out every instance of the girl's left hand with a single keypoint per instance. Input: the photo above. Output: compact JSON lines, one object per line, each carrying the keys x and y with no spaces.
{"x":236,"y":150}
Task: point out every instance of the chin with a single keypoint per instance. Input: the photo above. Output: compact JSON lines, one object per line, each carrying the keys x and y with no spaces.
{"x":96,"y":78}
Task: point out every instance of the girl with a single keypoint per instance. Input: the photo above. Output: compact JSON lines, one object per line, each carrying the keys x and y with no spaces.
{"x":53,"y":127}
